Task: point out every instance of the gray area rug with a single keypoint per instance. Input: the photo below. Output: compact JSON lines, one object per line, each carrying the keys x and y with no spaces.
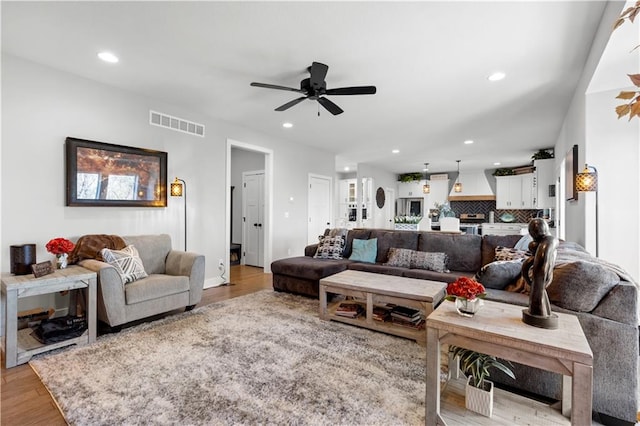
{"x":265,"y":358}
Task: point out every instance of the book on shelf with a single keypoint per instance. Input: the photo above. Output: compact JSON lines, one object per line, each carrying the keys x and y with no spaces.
{"x":349,"y":309}
{"x":403,"y":312}
{"x":416,"y":325}
{"x":381,"y":313}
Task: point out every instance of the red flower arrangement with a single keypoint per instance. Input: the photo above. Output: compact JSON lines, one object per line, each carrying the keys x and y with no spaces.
{"x":465,"y":288}
{"x":59,"y":246}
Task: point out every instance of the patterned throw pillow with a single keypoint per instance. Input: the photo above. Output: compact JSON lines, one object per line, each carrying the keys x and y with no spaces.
{"x":433,"y":261}
{"x":399,"y":257}
{"x":126,"y":261}
{"x":507,"y":253}
{"x":330,"y":248}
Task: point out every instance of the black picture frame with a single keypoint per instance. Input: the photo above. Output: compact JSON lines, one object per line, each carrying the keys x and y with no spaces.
{"x":104,"y":174}
{"x":570,"y":173}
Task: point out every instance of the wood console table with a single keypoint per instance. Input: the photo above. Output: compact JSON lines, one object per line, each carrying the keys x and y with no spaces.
{"x":19,"y":346}
{"x":497,"y":329}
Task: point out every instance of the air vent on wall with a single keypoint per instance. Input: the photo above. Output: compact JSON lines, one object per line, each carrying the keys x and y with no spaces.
{"x":441,"y":176}
{"x":175,"y":123}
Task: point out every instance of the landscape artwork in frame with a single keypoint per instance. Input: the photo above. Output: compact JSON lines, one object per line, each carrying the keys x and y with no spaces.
{"x":103,"y":174}
{"x":571,"y":171}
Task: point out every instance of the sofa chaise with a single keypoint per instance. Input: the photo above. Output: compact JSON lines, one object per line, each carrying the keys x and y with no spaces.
{"x":601,"y":295}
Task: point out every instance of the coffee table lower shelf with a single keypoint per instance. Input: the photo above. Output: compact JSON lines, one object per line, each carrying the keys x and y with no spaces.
{"x":367,"y":321}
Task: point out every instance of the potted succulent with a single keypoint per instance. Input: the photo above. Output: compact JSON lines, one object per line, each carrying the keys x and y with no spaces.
{"x":479,"y":390}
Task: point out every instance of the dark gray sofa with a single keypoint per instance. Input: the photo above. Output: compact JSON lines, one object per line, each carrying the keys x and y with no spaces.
{"x":607,"y":311}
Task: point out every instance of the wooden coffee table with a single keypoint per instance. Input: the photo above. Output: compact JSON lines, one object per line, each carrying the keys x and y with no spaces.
{"x":497,"y":329}
{"x":379,"y":289}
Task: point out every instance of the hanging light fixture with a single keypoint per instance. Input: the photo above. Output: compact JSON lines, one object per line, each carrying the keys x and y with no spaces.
{"x":426,"y":188}
{"x":457,"y":187}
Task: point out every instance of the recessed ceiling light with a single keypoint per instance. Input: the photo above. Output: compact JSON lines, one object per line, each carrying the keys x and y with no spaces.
{"x":346,"y":168}
{"x":496,"y":164}
{"x":496,"y":76}
{"x":468,"y":142}
{"x":395,"y":151}
{"x":108,"y":57}
{"x":287,"y":125}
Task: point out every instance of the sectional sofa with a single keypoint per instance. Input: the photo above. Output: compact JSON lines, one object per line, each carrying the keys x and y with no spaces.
{"x":601,"y":295}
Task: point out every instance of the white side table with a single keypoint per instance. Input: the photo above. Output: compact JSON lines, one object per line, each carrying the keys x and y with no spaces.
{"x":19,"y":346}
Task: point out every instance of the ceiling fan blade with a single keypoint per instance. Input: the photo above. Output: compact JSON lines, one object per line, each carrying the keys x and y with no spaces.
{"x":290,"y":104}
{"x":318,"y":73}
{"x":273,"y":86}
{"x":358,"y":90}
{"x":330,"y":106}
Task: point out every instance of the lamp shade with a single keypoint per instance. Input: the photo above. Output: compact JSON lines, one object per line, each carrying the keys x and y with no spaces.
{"x":587,"y":180}
{"x":426,"y":188}
{"x":176,"y":188}
{"x":457,"y":187}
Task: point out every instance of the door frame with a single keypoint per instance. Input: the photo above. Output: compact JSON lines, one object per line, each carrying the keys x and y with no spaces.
{"x":244,"y":213}
{"x":268,"y":200}
{"x":331,"y":212}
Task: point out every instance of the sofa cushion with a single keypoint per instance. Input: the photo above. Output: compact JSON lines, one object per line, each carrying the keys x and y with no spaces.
{"x":364,"y":250}
{"x":330,"y":248}
{"x":490,"y":242}
{"x":308,"y":268}
{"x":431,"y":261}
{"x":463,"y":251}
{"x":126,"y":261}
{"x":444,"y":277}
{"x":361,"y":234}
{"x":153,"y":250}
{"x":393,"y":239}
{"x":579,"y":286}
{"x":399,"y":257}
{"x":377,"y":268}
{"x":499,"y":274}
{"x":155,"y":287}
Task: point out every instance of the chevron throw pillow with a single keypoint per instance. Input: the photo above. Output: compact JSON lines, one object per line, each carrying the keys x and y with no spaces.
{"x":126,"y":261}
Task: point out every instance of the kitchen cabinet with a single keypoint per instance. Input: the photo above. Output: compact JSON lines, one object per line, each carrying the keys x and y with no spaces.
{"x":503,"y":228}
{"x":516,"y":192}
{"x":411,"y":189}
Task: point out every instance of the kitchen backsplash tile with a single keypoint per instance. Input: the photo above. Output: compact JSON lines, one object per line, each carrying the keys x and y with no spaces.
{"x":484,"y":207}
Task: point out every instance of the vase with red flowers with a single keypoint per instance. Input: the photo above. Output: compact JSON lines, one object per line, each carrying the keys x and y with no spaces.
{"x":467,"y":294}
{"x":60,"y":247}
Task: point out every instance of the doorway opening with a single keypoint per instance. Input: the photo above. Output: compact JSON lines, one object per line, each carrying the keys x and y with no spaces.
{"x":250,"y":157}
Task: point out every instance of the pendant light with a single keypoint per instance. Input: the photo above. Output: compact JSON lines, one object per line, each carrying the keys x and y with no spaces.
{"x":457,"y":187}
{"x":426,"y":188}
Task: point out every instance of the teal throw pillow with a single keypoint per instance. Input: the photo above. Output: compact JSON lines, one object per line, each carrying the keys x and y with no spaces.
{"x":364,"y":250}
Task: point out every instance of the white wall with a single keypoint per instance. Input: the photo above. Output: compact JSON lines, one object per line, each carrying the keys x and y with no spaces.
{"x":612,"y":146}
{"x":42,"y":106}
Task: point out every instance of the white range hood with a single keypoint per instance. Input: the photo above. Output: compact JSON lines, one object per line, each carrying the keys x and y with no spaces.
{"x":475,"y":187}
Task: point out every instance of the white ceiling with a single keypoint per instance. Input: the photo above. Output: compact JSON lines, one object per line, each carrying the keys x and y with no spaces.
{"x":429,"y":61}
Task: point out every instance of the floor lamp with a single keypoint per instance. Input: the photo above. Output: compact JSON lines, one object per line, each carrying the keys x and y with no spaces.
{"x":587,"y":181}
{"x":179,"y":189}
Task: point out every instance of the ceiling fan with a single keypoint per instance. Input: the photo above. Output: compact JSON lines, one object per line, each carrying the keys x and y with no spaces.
{"x":315,"y":87}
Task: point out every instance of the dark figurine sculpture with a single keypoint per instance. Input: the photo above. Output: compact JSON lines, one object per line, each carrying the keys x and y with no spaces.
{"x":537,"y":271}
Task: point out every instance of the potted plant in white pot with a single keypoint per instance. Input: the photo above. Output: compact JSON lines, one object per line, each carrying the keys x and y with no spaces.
{"x":479,"y":390}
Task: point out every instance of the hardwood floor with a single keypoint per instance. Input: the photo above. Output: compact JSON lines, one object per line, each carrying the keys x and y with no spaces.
{"x":25,"y":401}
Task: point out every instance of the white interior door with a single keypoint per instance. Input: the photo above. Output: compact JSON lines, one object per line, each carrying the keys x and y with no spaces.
{"x":253,"y":220}
{"x":320,"y":206}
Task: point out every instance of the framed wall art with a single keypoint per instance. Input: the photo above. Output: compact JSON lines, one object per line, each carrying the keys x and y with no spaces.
{"x":103,"y":174}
